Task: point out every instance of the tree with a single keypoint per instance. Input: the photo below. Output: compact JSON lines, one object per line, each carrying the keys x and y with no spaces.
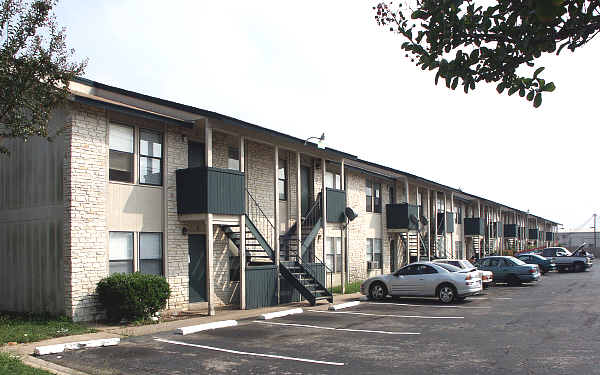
{"x":35,"y":68}
{"x":468,"y":43}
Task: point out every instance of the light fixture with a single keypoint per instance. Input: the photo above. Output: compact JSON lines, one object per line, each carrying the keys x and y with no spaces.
{"x":320,"y":141}
{"x":184,"y":231}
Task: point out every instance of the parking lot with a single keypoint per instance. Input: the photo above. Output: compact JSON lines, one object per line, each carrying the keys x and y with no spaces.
{"x":551,"y":327}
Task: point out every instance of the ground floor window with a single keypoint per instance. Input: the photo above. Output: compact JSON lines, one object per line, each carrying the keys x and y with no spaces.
{"x":374,"y":250}
{"x":333,"y":253}
{"x":148,"y":248}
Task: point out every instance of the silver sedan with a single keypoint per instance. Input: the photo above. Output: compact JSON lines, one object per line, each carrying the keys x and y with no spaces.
{"x":424,"y":279}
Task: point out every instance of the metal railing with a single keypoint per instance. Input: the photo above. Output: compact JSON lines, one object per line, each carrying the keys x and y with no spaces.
{"x":260,"y":220}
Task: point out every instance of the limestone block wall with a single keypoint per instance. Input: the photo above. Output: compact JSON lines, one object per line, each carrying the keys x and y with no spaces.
{"x":355,"y":196}
{"x":260,"y":175}
{"x":177,"y":243}
{"x":85,"y":224}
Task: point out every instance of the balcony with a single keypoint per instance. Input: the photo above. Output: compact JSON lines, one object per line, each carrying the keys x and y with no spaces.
{"x":203,"y":190}
{"x":449,"y":218}
{"x":533,"y":234}
{"x":474,"y":226}
{"x":510,"y":230}
{"x":398,"y":217}
{"x":336,"y":204}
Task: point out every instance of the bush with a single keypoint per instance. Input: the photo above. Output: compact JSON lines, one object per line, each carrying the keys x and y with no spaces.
{"x":132,"y":295}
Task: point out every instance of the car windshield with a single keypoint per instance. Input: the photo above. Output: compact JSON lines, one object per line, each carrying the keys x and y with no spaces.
{"x":449,"y":267}
{"x":519,"y":262}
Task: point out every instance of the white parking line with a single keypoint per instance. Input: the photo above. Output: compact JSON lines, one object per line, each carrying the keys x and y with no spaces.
{"x":338,"y":329}
{"x":388,"y":315}
{"x":410,"y":304}
{"x":249,"y":353}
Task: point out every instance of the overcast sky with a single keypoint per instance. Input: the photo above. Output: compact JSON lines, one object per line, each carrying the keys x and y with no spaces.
{"x":304,"y":68}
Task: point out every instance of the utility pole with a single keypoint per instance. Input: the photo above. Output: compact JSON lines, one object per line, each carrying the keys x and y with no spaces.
{"x":594,"y":231}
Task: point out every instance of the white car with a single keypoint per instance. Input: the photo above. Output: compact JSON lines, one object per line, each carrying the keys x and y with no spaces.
{"x":424,"y":279}
{"x":487,"y":277}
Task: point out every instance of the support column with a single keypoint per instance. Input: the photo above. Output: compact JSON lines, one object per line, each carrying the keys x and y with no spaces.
{"x":276,"y":217}
{"x":324,"y":209}
{"x":407,"y":197}
{"x":453,"y":250}
{"x":298,"y":203}
{"x":445,"y":227}
{"x":242,"y":236}
{"x":429,"y":223}
{"x":435,"y":223}
{"x":344,"y":233}
{"x":210,"y":282}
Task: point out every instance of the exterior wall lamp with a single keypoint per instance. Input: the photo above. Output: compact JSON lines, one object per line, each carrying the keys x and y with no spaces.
{"x":320,"y":141}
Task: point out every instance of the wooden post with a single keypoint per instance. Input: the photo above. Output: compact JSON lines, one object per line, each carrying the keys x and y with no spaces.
{"x":210,"y":283}
{"x":429,"y":223}
{"x":298,"y":203}
{"x":276,"y":218}
{"x":344,"y":233}
{"x":435,"y":225}
{"x":324,"y":209}
{"x":242,"y":236}
{"x":452,"y":249}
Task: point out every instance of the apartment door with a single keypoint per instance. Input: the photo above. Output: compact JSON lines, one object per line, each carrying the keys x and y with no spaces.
{"x":305,"y":189}
{"x":393,"y":255}
{"x":196,"y":154}
{"x":197,"y":267}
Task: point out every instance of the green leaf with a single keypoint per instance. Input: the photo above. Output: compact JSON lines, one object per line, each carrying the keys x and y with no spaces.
{"x":538,"y":100}
{"x":538,"y":71}
{"x":437,"y":77}
{"x":500,"y":88}
{"x":521,"y":92}
{"x":530,"y":95}
{"x":454,"y":83}
{"x":512,"y":90}
{"x":549,"y":87}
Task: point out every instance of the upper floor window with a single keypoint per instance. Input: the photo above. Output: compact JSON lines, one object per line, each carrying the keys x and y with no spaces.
{"x":233,"y":158}
{"x":392,"y":195}
{"x":150,"y":157}
{"x":459,"y":214}
{"x":121,"y":153}
{"x":333,"y":180}
{"x":373,"y":196}
{"x":282,"y":180}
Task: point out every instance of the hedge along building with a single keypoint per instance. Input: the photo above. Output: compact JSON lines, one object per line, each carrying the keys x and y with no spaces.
{"x":229,"y":212}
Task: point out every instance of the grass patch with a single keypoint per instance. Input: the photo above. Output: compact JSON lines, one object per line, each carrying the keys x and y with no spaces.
{"x":353,"y":287}
{"x":24,"y":328}
{"x":10,"y":364}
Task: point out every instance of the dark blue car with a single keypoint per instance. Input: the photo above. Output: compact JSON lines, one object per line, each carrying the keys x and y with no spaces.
{"x":509,"y":270}
{"x":545,"y":264}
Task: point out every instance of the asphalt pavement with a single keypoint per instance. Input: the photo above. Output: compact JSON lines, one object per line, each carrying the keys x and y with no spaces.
{"x":550,"y":327}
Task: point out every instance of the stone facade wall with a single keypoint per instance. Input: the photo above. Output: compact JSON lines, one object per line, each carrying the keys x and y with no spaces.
{"x":177,"y":243}
{"x":85,"y":224}
{"x":260,"y":176}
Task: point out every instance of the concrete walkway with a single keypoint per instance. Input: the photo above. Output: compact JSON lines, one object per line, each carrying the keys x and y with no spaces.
{"x":25,"y":351}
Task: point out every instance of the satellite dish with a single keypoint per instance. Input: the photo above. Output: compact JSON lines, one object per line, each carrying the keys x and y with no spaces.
{"x":350,"y":214}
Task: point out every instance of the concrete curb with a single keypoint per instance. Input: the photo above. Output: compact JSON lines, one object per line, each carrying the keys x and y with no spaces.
{"x":49,"y":366}
{"x":59,"y":348}
{"x":279,"y":314}
{"x":203,"y":327}
{"x":343,"y":305}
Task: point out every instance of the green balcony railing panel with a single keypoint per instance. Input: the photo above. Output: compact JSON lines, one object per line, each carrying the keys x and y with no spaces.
{"x":210,"y":190}
{"x":398,"y":216}
{"x":549,"y":236}
{"x":533,"y":234}
{"x":336,"y":204}
{"x":474,"y":226}
{"x":510,"y":230}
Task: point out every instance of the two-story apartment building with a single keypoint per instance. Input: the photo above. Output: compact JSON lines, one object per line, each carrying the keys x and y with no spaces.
{"x":229,"y":212}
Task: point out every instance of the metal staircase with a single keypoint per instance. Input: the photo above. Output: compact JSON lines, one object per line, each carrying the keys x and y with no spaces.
{"x":302,"y":269}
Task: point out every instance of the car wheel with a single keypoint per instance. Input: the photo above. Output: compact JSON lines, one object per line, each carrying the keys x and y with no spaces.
{"x":447,"y":293}
{"x":513,"y":280}
{"x":377,"y":291}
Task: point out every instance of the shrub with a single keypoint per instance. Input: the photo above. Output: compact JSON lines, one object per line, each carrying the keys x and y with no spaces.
{"x":132,"y":295}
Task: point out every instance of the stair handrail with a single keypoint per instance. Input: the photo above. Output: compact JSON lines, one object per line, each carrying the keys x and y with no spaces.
{"x":318,"y":260}
{"x":313,"y":215}
{"x":260,"y":215}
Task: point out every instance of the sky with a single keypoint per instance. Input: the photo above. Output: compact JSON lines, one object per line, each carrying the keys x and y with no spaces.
{"x":309,"y":67}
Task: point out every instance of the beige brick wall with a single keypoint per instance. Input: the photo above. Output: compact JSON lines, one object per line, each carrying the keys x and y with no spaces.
{"x":85,"y":194}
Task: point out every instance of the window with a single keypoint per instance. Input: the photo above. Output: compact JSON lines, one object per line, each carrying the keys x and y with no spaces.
{"x":120,"y":141}
{"x":282,"y":180}
{"x":421,"y":211}
{"x":369,"y":195}
{"x":333,"y":253}
{"x":151,"y":253}
{"x":392,"y":195}
{"x":373,"y":196}
{"x":150,"y":157}
{"x":120,"y":252}
{"x":377,"y":198}
{"x":233,"y":158}
{"x":333,"y":180}
{"x":458,"y":218}
{"x":374,"y":246}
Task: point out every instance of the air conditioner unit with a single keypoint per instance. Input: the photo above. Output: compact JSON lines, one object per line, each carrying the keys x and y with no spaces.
{"x":371,"y":265}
